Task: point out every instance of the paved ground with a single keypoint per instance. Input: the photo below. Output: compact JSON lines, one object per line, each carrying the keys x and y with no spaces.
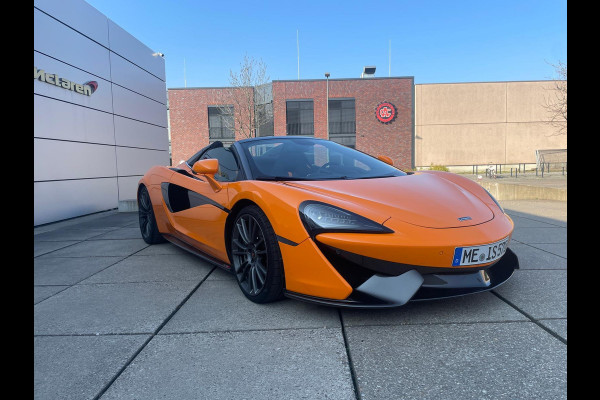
{"x":118,"y":319}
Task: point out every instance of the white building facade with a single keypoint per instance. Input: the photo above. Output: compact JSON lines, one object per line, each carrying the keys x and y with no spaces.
{"x":100,"y":111}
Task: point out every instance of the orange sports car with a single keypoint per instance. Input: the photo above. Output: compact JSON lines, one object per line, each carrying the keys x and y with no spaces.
{"x":314,"y":220}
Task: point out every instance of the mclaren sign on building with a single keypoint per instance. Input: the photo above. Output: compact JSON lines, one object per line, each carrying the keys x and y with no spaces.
{"x":100,"y":111}
{"x":87,"y":88}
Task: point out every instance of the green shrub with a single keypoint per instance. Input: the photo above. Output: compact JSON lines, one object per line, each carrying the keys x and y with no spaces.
{"x":438,"y":168}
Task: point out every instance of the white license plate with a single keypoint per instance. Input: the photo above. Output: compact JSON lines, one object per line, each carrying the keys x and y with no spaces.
{"x":482,"y":254}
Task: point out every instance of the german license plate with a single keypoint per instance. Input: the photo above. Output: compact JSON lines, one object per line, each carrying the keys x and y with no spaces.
{"x":482,"y":254}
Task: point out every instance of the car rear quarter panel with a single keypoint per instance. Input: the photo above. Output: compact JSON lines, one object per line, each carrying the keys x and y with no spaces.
{"x":152,"y":180}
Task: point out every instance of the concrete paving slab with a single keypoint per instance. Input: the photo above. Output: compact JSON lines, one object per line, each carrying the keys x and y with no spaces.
{"x":78,"y":367}
{"x":132,"y":224}
{"x":559,"y":249}
{"x":288,"y":364}
{"x":558,"y":326}
{"x":154,"y":269}
{"x":517,"y":360}
{"x":116,"y":220}
{"x":120,"y":233}
{"x":67,"y":270}
{"x":540,"y":235}
{"x":163,"y":248}
{"x":481,"y":307}
{"x":100,"y":248}
{"x":40,"y":248}
{"x":539,"y":293}
{"x":43,"y":292}
{"x":220,"y":275}
{"x":537,"y":218}
{"x":221,"y":306}
{"x":551,"y":212}
{"x":546,"y":208}
{"x":109,"y":308}
{"x":71,"y":222}
{"x":63,"y":234}
{"x":522,"y":222}
{"x":534,"y":258}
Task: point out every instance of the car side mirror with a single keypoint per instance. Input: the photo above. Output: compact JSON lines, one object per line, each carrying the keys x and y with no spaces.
{"x":386,"y":160}
{"x":208,"y":167}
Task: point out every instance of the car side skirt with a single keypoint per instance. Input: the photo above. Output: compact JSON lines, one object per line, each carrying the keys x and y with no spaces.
{"x":183,"y":245}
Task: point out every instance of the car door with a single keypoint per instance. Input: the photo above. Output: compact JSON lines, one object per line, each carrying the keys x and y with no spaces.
{"x":198,"y":211}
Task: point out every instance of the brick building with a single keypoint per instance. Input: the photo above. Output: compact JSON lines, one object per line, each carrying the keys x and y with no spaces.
{"x":199,"y":116}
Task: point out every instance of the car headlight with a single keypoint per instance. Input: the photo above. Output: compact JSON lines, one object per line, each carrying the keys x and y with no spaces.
{"x":495,"y":201}
{"x":319,"y":217}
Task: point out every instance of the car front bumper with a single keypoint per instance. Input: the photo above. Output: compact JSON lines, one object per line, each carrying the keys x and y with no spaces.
{"x":384,"y":291}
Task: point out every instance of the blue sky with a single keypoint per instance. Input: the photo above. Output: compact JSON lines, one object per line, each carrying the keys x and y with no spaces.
{"x":434,"y":41}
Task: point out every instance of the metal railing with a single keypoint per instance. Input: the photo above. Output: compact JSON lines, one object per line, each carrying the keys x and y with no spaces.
{"x":514,"y":169}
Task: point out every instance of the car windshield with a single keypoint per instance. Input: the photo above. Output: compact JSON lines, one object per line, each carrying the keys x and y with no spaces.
{"x":311,"y":159}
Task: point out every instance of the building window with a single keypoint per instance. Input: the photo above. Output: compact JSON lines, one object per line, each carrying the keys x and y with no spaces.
{"x":220,"y":124}
{"x":264,"y":116}
{"x":300,"y":117}
{"x":342,"y":122}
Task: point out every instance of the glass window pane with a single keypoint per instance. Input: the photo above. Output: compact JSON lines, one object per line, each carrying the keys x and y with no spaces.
{"x":300,"y":117}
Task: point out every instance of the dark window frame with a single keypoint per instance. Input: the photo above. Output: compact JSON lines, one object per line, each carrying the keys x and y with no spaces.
{"x":301,"y":125}
{"x":342,"y":120}
{"x":226,"y":133}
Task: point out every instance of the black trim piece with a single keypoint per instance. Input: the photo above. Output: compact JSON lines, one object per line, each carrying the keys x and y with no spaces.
{"x":286,"y":241}
{"x":242,"y":163}
{"x":473,"y":282}
{"x":190,"y":161}
{"x":354,"y":273}
{"x":186,"y":173}
{"x":208,"y":258}
{"x":356,"y":300}
{"x":178,"y":198}
{"x":342,"y":257}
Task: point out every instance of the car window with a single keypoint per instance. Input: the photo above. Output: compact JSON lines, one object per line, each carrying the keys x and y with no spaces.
{"x":312,"y":159}
{"x":228,"y":166}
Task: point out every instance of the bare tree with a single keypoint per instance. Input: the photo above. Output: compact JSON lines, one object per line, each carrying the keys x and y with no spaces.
{"x":247,"y":97}
{"x":556,"y":101}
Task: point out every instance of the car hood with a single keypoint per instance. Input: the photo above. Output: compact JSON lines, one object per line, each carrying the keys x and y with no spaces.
{"x":419,"y":199}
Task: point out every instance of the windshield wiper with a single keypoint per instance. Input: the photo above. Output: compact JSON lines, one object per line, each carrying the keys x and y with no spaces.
{"x":281,"y":178}
{"x":375,"y":177}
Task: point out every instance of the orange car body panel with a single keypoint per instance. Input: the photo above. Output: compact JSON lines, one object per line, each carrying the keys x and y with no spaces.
{"x":426,"y":228}
{"x":307,"y":271}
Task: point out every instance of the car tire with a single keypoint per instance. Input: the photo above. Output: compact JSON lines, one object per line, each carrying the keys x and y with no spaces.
{"x":256,"y":258}
{"x":148,"y":226}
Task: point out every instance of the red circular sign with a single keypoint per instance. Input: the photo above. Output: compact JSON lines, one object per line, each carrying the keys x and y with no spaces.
{"x":386,"y":112}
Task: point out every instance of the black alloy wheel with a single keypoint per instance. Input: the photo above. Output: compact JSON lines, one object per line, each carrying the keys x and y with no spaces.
{"x":256,"y":256}
{"x":148,"y":226}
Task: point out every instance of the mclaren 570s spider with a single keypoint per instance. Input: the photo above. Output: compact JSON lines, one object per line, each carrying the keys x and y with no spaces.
{"x":313,"y":220}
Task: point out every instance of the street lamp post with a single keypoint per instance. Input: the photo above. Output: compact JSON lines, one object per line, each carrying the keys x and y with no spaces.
{"x":327,"y":77}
